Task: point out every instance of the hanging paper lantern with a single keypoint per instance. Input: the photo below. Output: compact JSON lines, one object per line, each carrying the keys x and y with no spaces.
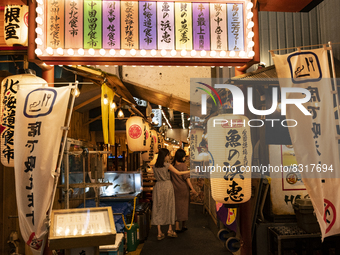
{"x":149,"y":154}
{"x":154,"y":135}
{"x":16,"y":25}
{"x":137,"y":133}
{"x":153,"y":162}
{"x":9,"y":87}
{"x":195,"y":144}
{"x":230,"y":146}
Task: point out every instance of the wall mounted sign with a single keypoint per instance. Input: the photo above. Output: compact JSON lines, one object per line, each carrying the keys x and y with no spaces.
{"x":16,"y":25}
{"x":119,"y":30}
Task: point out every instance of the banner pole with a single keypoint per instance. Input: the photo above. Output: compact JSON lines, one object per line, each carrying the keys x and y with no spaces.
{"x":57,"y":173}
{"x":335,"y":88}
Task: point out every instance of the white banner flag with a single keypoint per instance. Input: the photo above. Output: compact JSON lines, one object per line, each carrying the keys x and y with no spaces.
{"x":39,"y":119}
{"x":314,"y":137}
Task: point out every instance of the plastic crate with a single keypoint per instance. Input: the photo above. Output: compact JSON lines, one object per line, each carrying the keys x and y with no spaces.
{"x":114,"y":249}
{"x":305,"y":215}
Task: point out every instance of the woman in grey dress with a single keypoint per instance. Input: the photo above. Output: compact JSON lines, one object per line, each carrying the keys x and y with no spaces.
{"x":181,"y":185}
{"x":163,"y":197}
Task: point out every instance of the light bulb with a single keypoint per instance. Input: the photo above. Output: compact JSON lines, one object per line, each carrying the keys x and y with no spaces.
{"x":242,"y":53}
{"x":60,"y":51}
{"x":232,"y":54}
{"x":38,"y":30}
{"x":133,"y":52}
{"x":38,"y":41}
{"x":153,"y":52}
{"x":223,"y":53}
{"x":250,"y":15}
{"x":203,"y":53}
{"x":91,"y":51}
{"x":193,"y":53}
{"x":251,"y":53}
{"x":212,"y":53}
{"x":112,"y":52}
{"x":102,"y":52}
{"x":81,"y":51}
{"x":40,"y":1}
{"x":163,"y":52}
{"x":143,"y":52}
{"x":77,"y":92}
{"x":251,"y":34}
{"x":251,"y":44}
{"x":120,"y":114}
{"x":183,"y":53}
{"x":38,"y":52}
{"x":39,"y":20}
{"x":105,"y":100}
{"x":70,"y":52}
{"x":250,"y":5}
{"x":250,"y":24}
{"x":113,"y":105}
{"x":173,"y":53}
{"x":39,"y":10}
{"x":122,"y":52}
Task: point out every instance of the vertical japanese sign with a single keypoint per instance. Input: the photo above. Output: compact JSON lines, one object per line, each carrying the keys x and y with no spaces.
{"x":129,"y":24}
{"x":235,"y":27}
{"x":229,"y":143}
{"x":39,"y":120}
{"x":111,"y":24}
{"x":74,"y":13}
{"x":55,"y":24}
{"x":201,"y":26}
{"x":9,"y":88}
{"x":92,"y":24}
{"x":183,"y":26}
{"x":218,"y":24}
{"x":315,"y":137}
{"x":147,"y":25}
{"x":16,"y":25}
{"x":166,"y":25}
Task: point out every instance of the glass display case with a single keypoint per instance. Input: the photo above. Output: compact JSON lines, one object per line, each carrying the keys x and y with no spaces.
{"x":85,"y":227}
{"x":124,"y":185}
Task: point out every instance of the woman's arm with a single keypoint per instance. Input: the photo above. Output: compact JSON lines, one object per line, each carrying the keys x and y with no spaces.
{"x":191,"y":187}
{"x":174,"y":170}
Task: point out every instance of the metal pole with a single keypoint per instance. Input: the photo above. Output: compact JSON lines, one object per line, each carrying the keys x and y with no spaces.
{"x":57,"y":173}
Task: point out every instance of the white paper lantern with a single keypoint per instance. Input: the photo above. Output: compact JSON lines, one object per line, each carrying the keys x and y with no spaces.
{"x":138,"y":133}
{"x":153,"y":162}
{"x":155,"y":140}
{"x":8,"y":107}
{"x":229,"y":143}
{"x":16,"y":25}
{"x":196,"y":136}
{"x":149,"y":154}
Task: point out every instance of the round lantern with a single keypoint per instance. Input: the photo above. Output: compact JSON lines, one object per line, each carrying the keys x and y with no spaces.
{"x":153,"y":162}
{"x":138,"y":133}
{"x":154,"y":135}
{"x":8,"y":106}
{"x":16,"y":25}
{"x":230,"y":146}
{"x":196,"y":136}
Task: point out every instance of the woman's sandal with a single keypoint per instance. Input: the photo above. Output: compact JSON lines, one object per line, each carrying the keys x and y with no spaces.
{"x":172,"y":234}
{"x":160,"y":237}
{"x":184,"y":229}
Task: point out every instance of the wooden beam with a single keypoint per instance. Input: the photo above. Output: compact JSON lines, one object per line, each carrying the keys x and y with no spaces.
{"x":92,"y":120}
{"x":86,"y":102}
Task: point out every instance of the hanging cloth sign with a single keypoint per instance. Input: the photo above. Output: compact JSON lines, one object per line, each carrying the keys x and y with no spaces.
{"x":74,"y":23}
{"x":229,"y":143}
{"x":218,"y":23}
{"x":147,"y":25}
{"x":111,"y":24}
{"x":165,"y":25}
{"x":235,"y":27}
{"x":92,"y":24}
{"x":9,"y":87}
{"x":39,"y":119}
{"x":55,"y":24}
{"x":314,"y":137}
{"x":129,"y":24}
{"x":16,"y":25}
{"x":108,"y":114}
{"x":183,"y":23}
{"x":201,"y":26}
